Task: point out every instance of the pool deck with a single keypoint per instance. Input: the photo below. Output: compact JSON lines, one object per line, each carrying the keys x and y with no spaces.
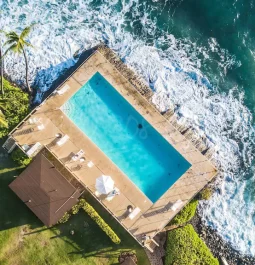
{"x":153,"y":217}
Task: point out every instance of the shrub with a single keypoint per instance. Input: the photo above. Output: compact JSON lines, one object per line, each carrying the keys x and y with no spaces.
{"x":184,"y":247}
{"x":17,"y":106}
{"x":81,"y":203}
{"x":186,"y":214}
{"x":100,"y":222}
{"x":205,"y":194}
{"x":65,"y":218}
{"x":75,"y":208}
{"x":20,"y":158}
{"x":94,"y":216}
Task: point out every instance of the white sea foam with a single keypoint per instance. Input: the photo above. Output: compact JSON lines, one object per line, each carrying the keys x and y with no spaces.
{"x":174,"y":73}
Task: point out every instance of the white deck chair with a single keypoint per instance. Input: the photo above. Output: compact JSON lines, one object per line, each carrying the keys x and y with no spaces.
{"x":63,"y":89}
{"x":34,"y":120}
{"x":176,"y":205}
{"x":63,"y":140}
{"x":78,"y":155}
{"x":136,"y":211}
{"x":33,"y":149}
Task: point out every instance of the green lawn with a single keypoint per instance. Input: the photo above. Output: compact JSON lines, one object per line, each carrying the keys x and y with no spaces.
{"x":25,"y":241}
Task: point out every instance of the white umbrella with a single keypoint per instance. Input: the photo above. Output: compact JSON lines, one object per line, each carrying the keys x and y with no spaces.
{"x":104,"y":184}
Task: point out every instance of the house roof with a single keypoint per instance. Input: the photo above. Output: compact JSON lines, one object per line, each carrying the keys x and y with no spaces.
{"x":45,"y":191}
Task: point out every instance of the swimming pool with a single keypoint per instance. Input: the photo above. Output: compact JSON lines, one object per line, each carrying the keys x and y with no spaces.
{"x":148,"y":160}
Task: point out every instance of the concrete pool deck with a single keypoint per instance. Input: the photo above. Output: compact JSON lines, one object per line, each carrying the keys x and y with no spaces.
{"x":153,"y":217}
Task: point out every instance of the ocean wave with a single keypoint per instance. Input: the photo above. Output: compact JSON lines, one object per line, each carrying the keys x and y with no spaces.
{"x":178,"y":70}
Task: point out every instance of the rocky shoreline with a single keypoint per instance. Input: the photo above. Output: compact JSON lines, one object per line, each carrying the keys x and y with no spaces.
{"x":218,"y":246}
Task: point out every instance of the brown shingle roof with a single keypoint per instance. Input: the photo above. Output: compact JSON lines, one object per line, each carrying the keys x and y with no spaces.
{"x":45,"y":191}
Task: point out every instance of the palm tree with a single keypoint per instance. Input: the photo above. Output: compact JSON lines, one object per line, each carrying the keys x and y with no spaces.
{"x":17,"y":43}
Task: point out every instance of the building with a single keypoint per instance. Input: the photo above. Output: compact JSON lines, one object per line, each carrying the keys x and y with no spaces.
{"x":45,"y":191}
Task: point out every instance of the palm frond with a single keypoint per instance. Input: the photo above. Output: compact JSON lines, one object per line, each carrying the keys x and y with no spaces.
{"x":28,"y":44}
{"x":12,"y":36}
{"x":9,"y":42}
{"x":12,"y":48}
{"x":26,"y":31}
{"x":2,"y":31}
{"x":19,"y":47}
{"x":3,"y":105}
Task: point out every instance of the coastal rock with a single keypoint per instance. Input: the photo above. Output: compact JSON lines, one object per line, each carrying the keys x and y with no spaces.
{"x":218,"y":246}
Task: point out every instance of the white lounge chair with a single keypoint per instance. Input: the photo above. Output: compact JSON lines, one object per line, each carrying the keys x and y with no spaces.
{"x":63,"y":89}
{"x":33,"y":149}
{"x":82,"y":159}
{"x":176,"y":205}
{"x":62,"y":140}
{"x":78,"y":155}
{"x":135,"y":212}
{"x":34,"y":120}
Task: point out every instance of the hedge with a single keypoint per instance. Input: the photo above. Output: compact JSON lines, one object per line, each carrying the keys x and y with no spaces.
{"x":94,"y":216}
{"x":64,"y":218}
{"x":20,"y":158}
{"x":186,"y":214}
{"x":184,"y":247}
{"x":100,"y":222}
{"x":17,"y":106}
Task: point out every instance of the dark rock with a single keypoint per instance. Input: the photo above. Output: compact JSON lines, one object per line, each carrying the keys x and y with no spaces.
{"x":218,"y":246}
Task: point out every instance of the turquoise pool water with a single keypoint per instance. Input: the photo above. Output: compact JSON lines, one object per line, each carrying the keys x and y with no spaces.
{"x":125,"y":137}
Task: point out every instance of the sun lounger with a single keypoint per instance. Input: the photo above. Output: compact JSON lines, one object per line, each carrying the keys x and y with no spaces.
{"x":176,"y":205}
{"x":63,"y":89}
{"x":62,"y":140}
{"x":33,"y":120}
{"x":33,"y":149}
{"x":82,"y":159}
{"x":78,"y":155}
{"x":136,"y":211}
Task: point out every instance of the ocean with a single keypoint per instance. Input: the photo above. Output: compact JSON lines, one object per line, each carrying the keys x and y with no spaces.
{"x":195,"y":54}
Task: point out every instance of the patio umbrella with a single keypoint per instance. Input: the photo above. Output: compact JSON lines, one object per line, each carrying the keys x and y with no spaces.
{"x":104,"y":184}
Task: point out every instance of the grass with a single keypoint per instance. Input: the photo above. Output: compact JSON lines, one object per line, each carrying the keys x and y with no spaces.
{"x":25,"y":241}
